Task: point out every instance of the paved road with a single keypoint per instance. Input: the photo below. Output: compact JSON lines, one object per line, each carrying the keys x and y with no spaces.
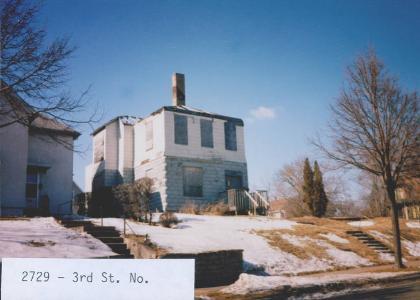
{"x":401,"y":291}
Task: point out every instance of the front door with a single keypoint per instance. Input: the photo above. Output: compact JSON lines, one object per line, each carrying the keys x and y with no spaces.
{"x":233,"y":180}
{"x":34,"y":185}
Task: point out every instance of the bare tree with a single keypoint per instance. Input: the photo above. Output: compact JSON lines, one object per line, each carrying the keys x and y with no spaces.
{"x":288,"y":183}
{"x":375,"y":128}
{"x":36,"y":71}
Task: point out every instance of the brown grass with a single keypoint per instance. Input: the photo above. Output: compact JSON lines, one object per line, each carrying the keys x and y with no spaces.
{"x":217,"y":208}
{"x":321,"y":226}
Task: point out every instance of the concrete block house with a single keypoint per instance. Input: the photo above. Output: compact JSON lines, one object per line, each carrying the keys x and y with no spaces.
{"x":192,"y":155}
{"x":36,"y":170}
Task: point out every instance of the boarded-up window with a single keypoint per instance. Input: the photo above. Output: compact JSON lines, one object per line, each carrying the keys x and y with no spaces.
{"x":234,"y":179}
{"x":206,"y":133}
{"x":193,"y":182}
{"x":149,"y":135}
{"x":230,"y":136}
{"x":181,"y":130}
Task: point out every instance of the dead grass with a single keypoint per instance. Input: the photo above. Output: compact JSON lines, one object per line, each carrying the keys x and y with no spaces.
{"x":34,"y":243}
{"x":313,"y":227}
{"x":217,"y":208}
{"x":321,"y":226}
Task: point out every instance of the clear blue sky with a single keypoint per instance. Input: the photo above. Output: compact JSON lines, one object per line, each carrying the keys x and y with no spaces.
{"x":286,"y":56}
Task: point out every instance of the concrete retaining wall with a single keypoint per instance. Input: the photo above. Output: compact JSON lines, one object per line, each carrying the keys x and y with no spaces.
{"x":214,"y":268}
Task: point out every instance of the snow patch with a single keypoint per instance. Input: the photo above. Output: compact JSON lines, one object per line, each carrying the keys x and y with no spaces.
{"x":251,"y":283}
{"x":388,"y":257}
{"x":44,"y":237}
{"x":413,"y":224}
{"x":412,"y":247}
{"x":202,"y":233}
{"x":361,"y":223}
{"x":334,"y":238}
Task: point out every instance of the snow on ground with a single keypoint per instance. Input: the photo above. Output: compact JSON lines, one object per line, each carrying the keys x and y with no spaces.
{"x":201,"y":233}
{"x":334,"y":238}
{"x":413,"y":224}
{"x":251,"y":283}
{"x":44,"y":237}
{"x":413,"y":248}
{"x":388,"y":257}
{"x":337,"y":257}
{"x":361,"y":223}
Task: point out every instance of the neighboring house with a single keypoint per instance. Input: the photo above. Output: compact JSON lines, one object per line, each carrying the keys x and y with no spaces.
{"x":36,"y":171}
{"x":192,"y":155}
{"x":408,"y":195}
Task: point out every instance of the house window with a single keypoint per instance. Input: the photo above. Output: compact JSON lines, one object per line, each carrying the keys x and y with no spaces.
{"x":230,"y":136}
{"x":234,"y":179}
{"x":193,"y":182}
{"x":206,"y":127}
{"x":149,"y":135}
{"x":181,"y":130}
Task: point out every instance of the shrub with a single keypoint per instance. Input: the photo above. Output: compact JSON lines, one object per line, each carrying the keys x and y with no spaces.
{"x":219,"y":208}
{"x":167,"y":219}
{"x":190,"y":208}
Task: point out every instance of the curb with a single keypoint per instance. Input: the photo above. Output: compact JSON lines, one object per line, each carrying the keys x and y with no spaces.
{"x":286,"y":291}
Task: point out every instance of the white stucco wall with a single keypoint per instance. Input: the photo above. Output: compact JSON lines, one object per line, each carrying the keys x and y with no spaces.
{"x":59,"y":176}
{"x":194,"y":148}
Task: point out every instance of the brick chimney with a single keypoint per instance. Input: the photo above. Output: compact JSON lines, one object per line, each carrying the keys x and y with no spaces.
{"x":178,"y":89}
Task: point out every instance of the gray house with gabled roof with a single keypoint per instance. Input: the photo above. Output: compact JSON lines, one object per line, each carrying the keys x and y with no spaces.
{"x":36,"y":162}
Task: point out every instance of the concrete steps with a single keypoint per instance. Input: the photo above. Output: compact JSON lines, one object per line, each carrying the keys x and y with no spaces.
{"x":106,"y":234}
{"x":370,"y":241}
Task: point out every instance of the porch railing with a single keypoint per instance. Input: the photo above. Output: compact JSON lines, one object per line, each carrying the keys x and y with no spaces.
{"x":241,"y":201}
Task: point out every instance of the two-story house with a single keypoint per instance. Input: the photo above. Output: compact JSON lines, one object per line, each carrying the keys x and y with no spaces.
{"x":192,"y":155}
{"x":36,"y":162}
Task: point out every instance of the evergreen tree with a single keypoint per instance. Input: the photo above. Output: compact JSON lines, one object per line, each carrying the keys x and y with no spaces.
{"x":320,"y":199}
{"x":308,"y":185}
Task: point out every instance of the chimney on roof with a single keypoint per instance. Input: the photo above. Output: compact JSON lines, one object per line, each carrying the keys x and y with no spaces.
{"x":178,"y":89}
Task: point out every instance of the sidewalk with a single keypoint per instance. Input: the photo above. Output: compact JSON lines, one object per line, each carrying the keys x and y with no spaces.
{"x":324,"y":282}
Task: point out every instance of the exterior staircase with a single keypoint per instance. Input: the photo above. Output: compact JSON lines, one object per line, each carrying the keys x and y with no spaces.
{"x":370,"y":241}
{"x":241,"y":201}
{"x":106,"y":234}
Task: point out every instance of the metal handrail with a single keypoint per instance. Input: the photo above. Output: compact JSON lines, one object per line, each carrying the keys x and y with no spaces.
{"x":128,"y":225}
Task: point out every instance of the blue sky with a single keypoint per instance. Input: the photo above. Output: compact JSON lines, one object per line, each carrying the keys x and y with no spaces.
{"x":276,"y":64}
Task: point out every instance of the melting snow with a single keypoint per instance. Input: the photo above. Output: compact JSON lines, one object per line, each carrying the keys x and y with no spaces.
{"x":361,"y":223}
{"x":201,"y":233}
{"x":334,"y":238}
{"x":250,"y":283}
{"x":44,"y":237}
{"x":413,"y":224}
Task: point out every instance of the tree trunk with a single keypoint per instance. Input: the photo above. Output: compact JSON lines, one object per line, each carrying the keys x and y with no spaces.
{"x":395,"y":228}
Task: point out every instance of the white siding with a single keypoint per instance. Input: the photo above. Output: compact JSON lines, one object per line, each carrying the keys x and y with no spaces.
{"x":59,"y":176}
{"x":194,"y":148}
{"x":13,"y":162}
{"x":141,"y":154}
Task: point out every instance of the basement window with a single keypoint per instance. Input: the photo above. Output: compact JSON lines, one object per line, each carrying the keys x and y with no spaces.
{"x":193,"y":182}
{"x":181,"y":130}
{"x":206,"y":127}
